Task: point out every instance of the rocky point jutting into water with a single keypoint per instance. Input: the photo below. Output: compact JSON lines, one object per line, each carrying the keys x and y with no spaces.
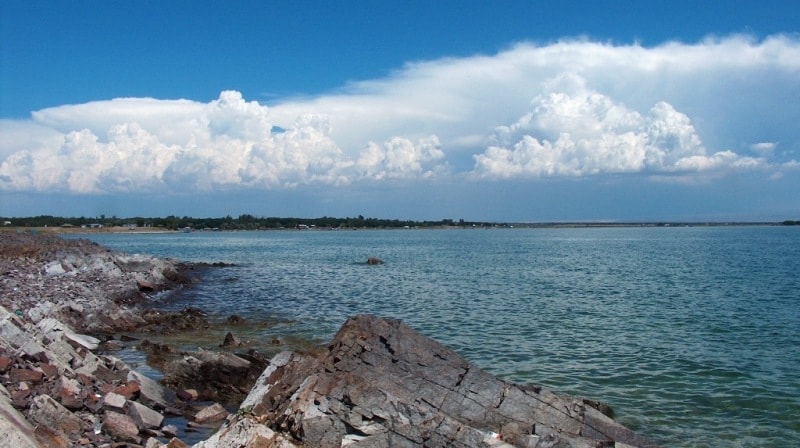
{"x":378,"y":384}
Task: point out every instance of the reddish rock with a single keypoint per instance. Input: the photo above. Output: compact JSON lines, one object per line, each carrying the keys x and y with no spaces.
{"x":42,"y":357}
{"x":85,"y":379}
{"x":49,"y":370}
{"x":5,"y":363}
{"x":20,"y":375}
{"x":51,"y":438}
{"x":188,"y":394}
{"x":70,"y":393}
{"x":130,"y":390}
{"x":19,"y":399}
{"x":177,"y":443}
{"x":120,"y":427}
{"x":93,"y":402}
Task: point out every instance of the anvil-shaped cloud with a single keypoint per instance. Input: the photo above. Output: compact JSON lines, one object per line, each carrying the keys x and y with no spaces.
{"x":566,"y":109}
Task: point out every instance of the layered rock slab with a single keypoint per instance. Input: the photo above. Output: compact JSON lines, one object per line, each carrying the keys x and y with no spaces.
{"x":380,"y":384}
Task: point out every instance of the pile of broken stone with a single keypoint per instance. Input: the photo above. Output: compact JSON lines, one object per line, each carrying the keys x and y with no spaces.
{"x":56,"y":388}
{"x":377,"y":384}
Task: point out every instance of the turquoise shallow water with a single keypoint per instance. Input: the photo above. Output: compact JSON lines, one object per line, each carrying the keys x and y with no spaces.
{"x":691,"y":334}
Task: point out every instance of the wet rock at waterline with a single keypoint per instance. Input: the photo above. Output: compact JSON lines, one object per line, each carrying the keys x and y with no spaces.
{"x":378,"y":384}
{"x":381,"y":384}
{"x":216,"y":376}
{"x":56,"y":388}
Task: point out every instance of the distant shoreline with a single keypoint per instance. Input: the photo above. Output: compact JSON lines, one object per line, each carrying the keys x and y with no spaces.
{"x":543,"y":225}
{"x":79,"y":230}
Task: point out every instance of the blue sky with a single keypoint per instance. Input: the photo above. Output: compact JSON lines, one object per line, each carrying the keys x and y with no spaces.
{"x":507,"y":110}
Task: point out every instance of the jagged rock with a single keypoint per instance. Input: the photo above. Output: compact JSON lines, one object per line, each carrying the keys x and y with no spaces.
{"x":210,"y":414}
{"x":374,"y":261}
{"x":144,"y":417}
{"x":114,"y":401}
{"x":54,"y":268}
{"x":152,"y":442}
{"x":231,"y":341}
{"x":382,"y":384}
{"x":246,"y":432}
{"x":188,"y":394}
{"x":112,"y":345}
{"x":178,"y":443}
{"x":55,"y":329}
{"x":26,"y":375}
{"x":158,"y":355}
{"x":170,"y":430}
{"x":49,"y":413}
{"x":144,"y":285}
{"x":129,"y":390}
{"x":49,"y":370}
{"x":151,"y":393}
{"x":173,"y":321}
{"x":15,"y":430}
{"x":5,"y":363}
{"x":120,"y":427}
{"x":379,"y":384}
{"x":70,"y":393}
{"x":54,"y":292}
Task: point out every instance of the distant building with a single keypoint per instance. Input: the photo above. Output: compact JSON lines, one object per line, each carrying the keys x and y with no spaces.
{"x":6,"y":223}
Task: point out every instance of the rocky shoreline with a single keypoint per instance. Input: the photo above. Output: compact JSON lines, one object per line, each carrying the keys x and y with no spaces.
{"x":378,"y":383}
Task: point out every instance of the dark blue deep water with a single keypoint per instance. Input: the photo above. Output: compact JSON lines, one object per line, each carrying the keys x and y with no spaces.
{"x":691,"y":334}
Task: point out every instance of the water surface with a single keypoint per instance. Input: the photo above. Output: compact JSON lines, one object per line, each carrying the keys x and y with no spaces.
{"x":691,"y":334}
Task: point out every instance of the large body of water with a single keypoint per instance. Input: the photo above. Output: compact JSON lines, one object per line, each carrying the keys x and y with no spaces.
{"x":691,"y":334}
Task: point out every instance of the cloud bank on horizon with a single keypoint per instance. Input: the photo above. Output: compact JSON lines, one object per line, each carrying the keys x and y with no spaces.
{"x":570,"y":109}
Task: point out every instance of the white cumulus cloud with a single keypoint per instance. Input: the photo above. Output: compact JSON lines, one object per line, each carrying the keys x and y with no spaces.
{"x":565,"y":109}
{"x":177,"y":146}
{"x":575,"y":131}
{"x":400,"y":158}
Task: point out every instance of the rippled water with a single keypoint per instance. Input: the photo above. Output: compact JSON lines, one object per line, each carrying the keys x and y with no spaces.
{"x":691,"y":334}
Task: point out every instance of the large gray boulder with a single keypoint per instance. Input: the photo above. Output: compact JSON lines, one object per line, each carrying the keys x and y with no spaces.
{"x":381,"y":384}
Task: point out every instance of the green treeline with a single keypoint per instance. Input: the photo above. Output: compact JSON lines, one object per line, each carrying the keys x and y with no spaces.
{"x":243,"y":222}
{"x":251,"y":222}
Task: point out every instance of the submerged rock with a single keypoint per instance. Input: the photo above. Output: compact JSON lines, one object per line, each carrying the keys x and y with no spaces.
{"x":231,"y":341}
{"x":380,"y":383}
{"x":217,"y":376}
